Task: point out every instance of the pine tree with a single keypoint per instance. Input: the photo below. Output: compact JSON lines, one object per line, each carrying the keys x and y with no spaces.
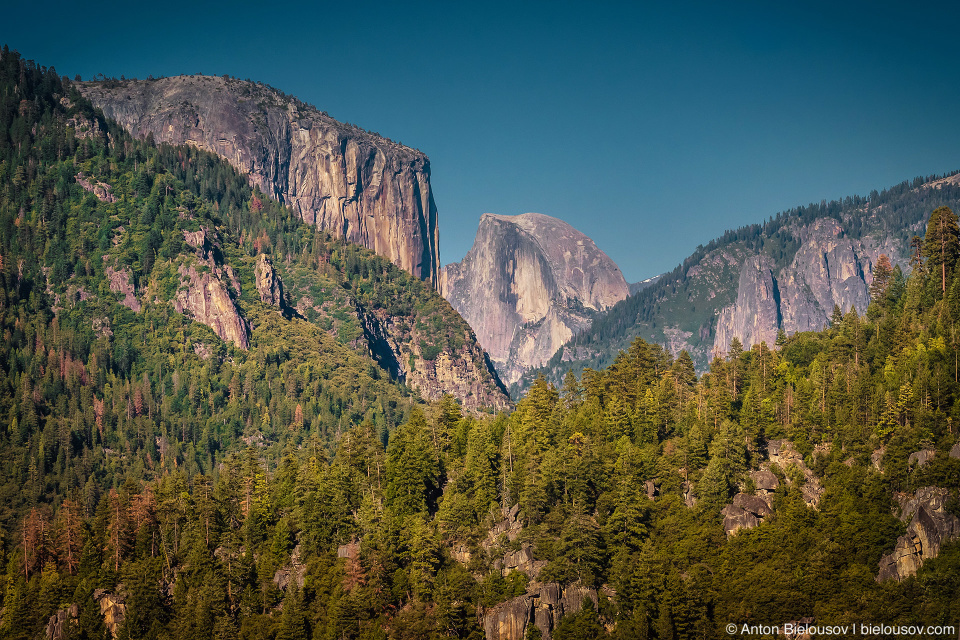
{"x":412,"y":470}
{"x":882,"y":273}
{"x":941,"y":245}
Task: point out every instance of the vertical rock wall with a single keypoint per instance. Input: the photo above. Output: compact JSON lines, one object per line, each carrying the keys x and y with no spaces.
{"x":357,"y":184}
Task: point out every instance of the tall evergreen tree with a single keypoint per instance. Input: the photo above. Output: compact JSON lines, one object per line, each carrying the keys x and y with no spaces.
{"x":941,"y":245}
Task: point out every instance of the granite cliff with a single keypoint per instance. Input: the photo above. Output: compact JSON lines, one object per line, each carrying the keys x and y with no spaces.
{"x":361,"y":186}
{"x":527,"y":285}
{"x":829,"y":269}
{"x":787,"y":273}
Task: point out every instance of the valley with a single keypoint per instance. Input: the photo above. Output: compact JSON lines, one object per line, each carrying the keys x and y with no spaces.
{"x":236,"y":404}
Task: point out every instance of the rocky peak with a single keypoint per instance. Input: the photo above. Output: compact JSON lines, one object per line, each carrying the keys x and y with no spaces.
{"x":527,"y":285}
{"x":357,"y":184}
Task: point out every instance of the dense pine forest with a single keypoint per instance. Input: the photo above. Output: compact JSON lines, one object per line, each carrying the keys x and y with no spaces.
{"x":161,"y":482}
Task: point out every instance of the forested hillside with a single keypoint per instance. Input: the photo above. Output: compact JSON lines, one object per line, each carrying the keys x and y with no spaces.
{"x":161,"y":480}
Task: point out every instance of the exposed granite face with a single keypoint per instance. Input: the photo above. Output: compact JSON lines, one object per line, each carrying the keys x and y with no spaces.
{"x":528,"y":284}
{"x":464,"y":373}
{"x":63,"y":623}
{"x":746,"y":512}
{"x":121,"y":281}
{"x":357,"y":184}
{"x":206,"y":285}
{"x":112,"y":608}
{"x":783,"y":454}
{"x":930,"y":526}
{"x":830,"y":268}
{"x":204,"y":297}
{"x":543,"y":605}
{"x":755,"y":316}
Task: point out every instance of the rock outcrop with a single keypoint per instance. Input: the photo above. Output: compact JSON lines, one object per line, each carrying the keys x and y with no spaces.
{"x":543,"y":605}
{"x":208,"y":288}
{"x":63,"y":623}
{"x":463,"y":372}
{"x":121,"y":281}
{"x":528,"y":284}
{"x":268,"y":283}
{"x":746,"y":512}
{"x":829,"y":269}
{"x":112,"y":608}
{"x":357,"y":184}
{"x":755,"y":316}
{"x":204,"y":297}
{"x":783,"y":454}
{"x":920,"y":458}
{"x":293,"y":573}
{"x":930,"y":526}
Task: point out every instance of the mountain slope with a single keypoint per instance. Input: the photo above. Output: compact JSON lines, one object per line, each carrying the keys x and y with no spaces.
{"x":356,"y":184}
{"x":528,"y":284}
{"x":787,"y":273}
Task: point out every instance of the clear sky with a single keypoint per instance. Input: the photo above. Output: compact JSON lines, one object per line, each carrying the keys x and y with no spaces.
{"x":650,"y":129}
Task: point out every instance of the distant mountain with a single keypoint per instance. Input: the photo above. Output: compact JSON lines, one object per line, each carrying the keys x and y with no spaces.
{"x":528,"y":284}
{"x":356,"y":184}
{"x":636,"y":287}
{"x":786,"y":274}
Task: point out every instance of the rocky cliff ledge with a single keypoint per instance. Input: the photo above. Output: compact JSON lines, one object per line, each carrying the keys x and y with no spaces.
{"x":527,"y":285}
{"x":368,"y":189}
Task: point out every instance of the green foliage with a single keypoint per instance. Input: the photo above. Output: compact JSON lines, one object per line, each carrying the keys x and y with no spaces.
{"x":291,"y":491}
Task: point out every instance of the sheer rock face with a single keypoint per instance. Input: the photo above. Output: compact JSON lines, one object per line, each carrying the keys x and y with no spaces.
{"x":829,"y":268}
{"x":543,"y":605}
{"x":528,"y":284}
{"x":930,"y":526}
{"x":368,"y":189}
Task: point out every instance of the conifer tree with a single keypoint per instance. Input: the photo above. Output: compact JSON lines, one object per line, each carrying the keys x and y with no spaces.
{"x":941,"y":245}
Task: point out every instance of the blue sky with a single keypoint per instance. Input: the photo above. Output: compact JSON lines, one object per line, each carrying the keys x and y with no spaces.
{"x":651,"y":129}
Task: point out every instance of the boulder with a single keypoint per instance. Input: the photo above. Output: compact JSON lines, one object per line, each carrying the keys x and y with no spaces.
{"x":765,"y":480}
{"x":754,"y":504}
{"x":736,"y":518}
{"x":651,"y":489}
